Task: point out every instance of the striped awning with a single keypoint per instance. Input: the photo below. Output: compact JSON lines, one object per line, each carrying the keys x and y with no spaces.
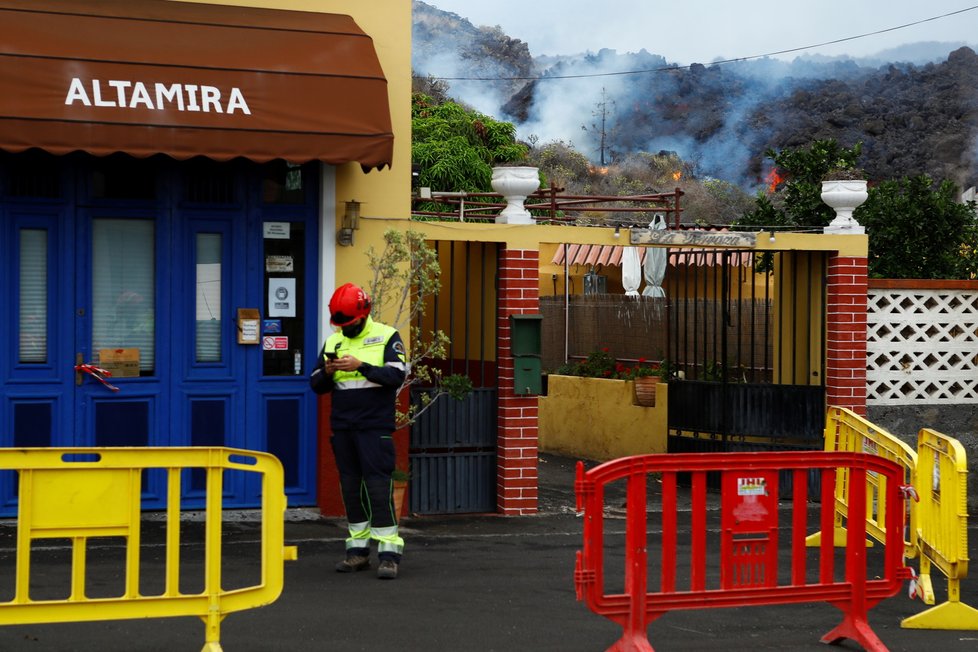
{"x":610,"y":256}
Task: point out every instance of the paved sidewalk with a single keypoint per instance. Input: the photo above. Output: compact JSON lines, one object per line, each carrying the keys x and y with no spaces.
{"x":468,"y":583}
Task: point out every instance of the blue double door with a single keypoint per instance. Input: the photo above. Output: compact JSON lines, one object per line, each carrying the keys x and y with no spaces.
{"x":192,"y":283}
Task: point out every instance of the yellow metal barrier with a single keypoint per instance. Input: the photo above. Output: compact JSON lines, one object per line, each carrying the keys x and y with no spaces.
{"x":942,"y":530}
{"x":846,"y":431}
{"x":83,"y":493}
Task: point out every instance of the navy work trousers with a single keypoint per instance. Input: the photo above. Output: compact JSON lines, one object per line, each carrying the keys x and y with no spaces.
{"x":365,"y":461}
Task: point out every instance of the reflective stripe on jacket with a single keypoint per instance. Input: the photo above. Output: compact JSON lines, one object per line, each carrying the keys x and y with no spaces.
{"x":366,"y":398}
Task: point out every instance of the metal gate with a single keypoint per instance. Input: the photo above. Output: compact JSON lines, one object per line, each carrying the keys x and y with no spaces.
{"x":452,"y":449}
{"x":746,"y":337}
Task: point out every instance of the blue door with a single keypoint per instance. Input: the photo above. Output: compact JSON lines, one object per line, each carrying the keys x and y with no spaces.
{"x":189,"y":282}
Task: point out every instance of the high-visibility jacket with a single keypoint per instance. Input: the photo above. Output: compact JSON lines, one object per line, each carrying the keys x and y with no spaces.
{"x":365,"y":398}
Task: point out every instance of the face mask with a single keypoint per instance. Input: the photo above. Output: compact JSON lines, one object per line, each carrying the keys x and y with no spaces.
{"x":354,"y":329}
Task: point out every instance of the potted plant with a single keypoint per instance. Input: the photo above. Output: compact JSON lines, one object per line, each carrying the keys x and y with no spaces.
{"x":645,"y":377}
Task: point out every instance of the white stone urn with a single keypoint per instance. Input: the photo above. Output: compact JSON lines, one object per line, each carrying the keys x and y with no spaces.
{"x":844,"y":195}
{"x":515,"y":183}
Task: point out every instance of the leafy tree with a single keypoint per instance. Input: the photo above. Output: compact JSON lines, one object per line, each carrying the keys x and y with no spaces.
{"x":799,"y":202}
{"x":917,"y":230}
{"x":406,"y":273}
{"x":456,"y":147}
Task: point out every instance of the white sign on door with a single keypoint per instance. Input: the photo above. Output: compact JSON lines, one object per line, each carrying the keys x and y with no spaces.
{"x":276,"y":230}
{"x":281,"y":297}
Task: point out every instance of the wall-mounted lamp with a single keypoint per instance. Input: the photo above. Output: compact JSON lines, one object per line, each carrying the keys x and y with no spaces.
{"x":617,"y":231}
{"x":772,"y":236}
{"x":351,"y":222}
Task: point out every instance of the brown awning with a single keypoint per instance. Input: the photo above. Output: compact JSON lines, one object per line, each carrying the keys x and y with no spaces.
{"x":155,"y":76}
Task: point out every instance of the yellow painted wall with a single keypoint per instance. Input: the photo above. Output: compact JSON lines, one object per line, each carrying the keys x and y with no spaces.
{"x":796,"y":321}
{"x":468,"y":282}
{"x":573,"y":422}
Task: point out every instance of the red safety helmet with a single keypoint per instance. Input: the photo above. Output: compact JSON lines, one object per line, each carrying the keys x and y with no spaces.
{"x":349,"y":303}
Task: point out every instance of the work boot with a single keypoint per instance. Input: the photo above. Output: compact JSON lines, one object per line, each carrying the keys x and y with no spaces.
{"x":387,"y":569}
{"x":354,"y":563}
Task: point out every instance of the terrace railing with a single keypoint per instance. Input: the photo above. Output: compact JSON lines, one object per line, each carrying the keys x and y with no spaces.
{"x":552,"y":206}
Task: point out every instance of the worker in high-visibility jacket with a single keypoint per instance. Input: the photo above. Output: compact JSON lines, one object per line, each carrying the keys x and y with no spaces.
{"x":363,"y":364}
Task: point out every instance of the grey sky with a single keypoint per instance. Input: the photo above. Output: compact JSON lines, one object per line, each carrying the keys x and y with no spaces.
{"x":700,"y":31}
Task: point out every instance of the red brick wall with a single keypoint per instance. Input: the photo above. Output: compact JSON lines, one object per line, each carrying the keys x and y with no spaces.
{"x":845,"y":372}
{"x":517,"y":446}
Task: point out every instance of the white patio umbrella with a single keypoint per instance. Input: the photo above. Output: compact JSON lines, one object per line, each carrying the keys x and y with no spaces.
{"x":631,"y":271}
{"x":655,"y":263}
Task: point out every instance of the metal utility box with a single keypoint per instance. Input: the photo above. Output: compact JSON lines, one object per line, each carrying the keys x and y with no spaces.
{"x":527,"y":347}
{"x":527,"y":376}
{"x":525,"y":334}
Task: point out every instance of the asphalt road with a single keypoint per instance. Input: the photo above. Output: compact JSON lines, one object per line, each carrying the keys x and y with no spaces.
{"x":467,"y":583}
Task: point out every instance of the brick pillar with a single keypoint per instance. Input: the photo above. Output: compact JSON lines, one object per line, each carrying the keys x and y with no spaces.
{"x":845,"y":368}
{"x":518,"y":438}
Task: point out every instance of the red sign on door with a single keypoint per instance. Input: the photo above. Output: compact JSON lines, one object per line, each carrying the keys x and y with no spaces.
{"x":277,"y":343}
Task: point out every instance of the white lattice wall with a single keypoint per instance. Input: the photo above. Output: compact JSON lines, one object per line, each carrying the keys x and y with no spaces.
{"x":922,"y":346}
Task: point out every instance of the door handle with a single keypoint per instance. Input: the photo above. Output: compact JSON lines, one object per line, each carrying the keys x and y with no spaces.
{"x":98,"y":373}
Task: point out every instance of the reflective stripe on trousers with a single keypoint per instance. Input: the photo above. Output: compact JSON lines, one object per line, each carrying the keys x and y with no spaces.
{"x":387,"y":538}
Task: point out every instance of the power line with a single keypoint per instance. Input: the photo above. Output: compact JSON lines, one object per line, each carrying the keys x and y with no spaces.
{"x":713,"y":63}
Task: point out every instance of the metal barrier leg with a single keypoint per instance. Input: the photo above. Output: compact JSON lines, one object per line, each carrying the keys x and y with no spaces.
{"x":632,"y":641}
{"x":635,"y":637}
{"x":856,"y":629}
{"x":855,"y":623}
{"x":212,"y":629}
{"x":952,"y":614}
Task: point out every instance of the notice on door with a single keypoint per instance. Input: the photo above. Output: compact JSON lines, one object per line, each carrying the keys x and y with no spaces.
{"x":276,"y":230}
{"x":279,"y":264}
{"x":121,"y":363}
{"x":248,"y":322}
{"x":281,"y":297}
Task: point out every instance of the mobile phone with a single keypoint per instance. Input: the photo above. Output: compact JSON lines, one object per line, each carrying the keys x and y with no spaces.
{"x":331,"y":355}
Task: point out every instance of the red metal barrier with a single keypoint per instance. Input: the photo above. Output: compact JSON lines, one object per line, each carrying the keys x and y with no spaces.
{"x":749,"y":551}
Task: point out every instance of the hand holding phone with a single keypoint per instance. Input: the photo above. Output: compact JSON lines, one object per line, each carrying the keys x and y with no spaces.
{"x":331,"y":355}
